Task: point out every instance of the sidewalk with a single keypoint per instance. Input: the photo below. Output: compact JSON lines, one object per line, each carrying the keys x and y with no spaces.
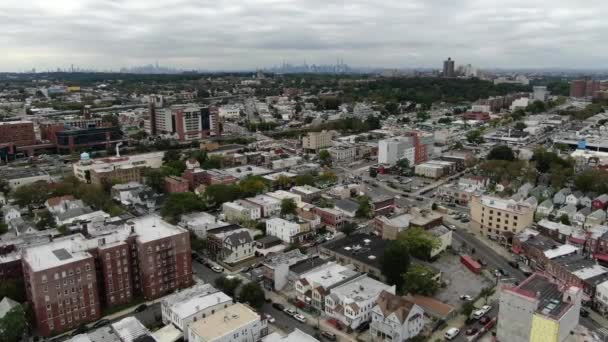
{"x":599,"y":319}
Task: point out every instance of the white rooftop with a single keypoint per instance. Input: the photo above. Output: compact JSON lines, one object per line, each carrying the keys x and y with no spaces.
{"x":306,"y":189}
{"x":590,"y":272}
{"x":224,"y":322}
{"x":504,"y":204}
{"x":130,"y":328}
{"x":363,"y":289}
{"x":560,"y":251}
{"x":295,"y":336}
{"x":153,"y":227}
{"x":59,"y":252}
{"x":199,"y":303}
{"x":328,"y":275}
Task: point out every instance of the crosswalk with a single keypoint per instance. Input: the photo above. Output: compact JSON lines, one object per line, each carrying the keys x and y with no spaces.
{"x":603,"y":332}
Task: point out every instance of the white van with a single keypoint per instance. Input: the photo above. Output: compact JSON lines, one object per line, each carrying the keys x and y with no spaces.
{"x":451,"y":333}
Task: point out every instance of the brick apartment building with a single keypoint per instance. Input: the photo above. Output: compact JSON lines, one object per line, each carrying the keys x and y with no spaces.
{"x":70,"y":279}
{"x":15,"y":134}
{"x":175,"y":184}
{"x":198,"y":177}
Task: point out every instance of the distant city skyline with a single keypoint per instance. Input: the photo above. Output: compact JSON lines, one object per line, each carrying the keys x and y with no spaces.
{"x":253,"y":34}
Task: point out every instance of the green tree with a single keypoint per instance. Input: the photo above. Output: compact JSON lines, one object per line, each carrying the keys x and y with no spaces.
{"x":228,"y":286}
{"x":13,"y":289}
{"x":31,"y":194}
{"x":217,"y":194}
{"x":475,"y":137}
{"x":252,"y":186}
{"x":45,"y":220}
{"x":283,"y":182}
{"x":366,"y":209}
{"x":349,"y":228}
{"x":394,"y":263}
{"x":404,"y":165}
{"x":328,"y":176}
{"x":306,"y":179}
{"x":4,"y":186}
{"x":288,"y":207}
{"x":391,"y":108}
{"x":325,"y":203}
{"x":155,"y":178}
{"x":252,"y":294}
{"x":419,"y":280}
{"x":422,"y":116}
{"x":181,"y":203}
{"x":486,"y":293}
{"x":467,"y":309}
{"x":324,"y":157}
{"x":520,"y":126}
{"x":111,"y":119}
{"x":564,"y":219}
{"x":501,"y":152}
{"x":213,"y":162}
{"x":13,"y":325}
{"x":419,"y":242}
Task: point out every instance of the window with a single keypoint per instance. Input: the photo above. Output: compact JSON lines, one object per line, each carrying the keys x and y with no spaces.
{"x":87,"y":267}
{"x":44,"y":278}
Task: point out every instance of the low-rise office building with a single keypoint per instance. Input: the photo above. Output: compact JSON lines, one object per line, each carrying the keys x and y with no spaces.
{"x":236,"y":323}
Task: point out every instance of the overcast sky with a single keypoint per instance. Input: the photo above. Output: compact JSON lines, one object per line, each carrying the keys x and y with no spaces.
{"x":239,"y":34}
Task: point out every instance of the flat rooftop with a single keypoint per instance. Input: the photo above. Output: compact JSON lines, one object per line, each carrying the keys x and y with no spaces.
{"x":549,"y":295}
{"x":19,"y":173}
{"x":365,"y":248}
{"x":153,"y":227}
{"x":59,"y":252}
{"x":364,"y":288}
{"x":328,"y":274}
{"x":224,"y":322}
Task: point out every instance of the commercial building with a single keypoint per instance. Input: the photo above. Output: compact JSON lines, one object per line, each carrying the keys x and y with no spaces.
{"x":395,"y":318}
{"x":317,"y":140}
{"x":500,"y":218}
{"x":191,"y":305}
{"x":448,"y":68}
{"x":584,"y":88}
{"x":133,"y":166}
{"x":540,"y":93}
{"x":600,"y":302}
{"x":288,"y":231}
{"x":307,"y":192}
{"x":435,"y":169}
{"x":390,"y":151}
{"x":352,"y":302}
{"x":68,"y":280}
{"x":236,"y":323}
{"x":187,"y":122}
{"x":538,"y":309}
{"x":343,"y":153}
{"x":19,"y":177}
{"x":275,"y":268}
{"x":476,"y":116}
{"x":15,"y":134}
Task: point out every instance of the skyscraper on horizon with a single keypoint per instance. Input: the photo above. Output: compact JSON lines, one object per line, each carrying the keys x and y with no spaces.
{"x":448,"y":68}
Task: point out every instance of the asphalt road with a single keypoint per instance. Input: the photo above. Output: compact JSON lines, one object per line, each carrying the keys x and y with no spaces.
{"x":288,"y":323}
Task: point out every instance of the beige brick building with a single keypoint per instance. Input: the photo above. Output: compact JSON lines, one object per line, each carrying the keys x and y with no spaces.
{"x":317,"y":140}
{"x":499,"y":218}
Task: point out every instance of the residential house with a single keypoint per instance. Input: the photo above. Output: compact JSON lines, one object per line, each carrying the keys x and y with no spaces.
{"x":10,"y":212}
{"x":201,"y":222}
{"x":545,"y":208}
{"x":231,"y":244}
{"x":587,"y":199}
{"x":182,"y":308}
{"x":600,"y":301}
{"x":58,"y":204}
{"x":347,"y":206}
{"x":241,"y":210}
{"x":596,"y":218}
{"x":600,"y":202}
{"x":331,"y":218}
{"x":568,"y":210}
{"x":236,"y":323}
{"x":574,"y":198}
{"x":275,"y":268}
{"x":288,"y":231}
{"x":269,"y":206}
{"x":560,"y":197}
{"x":581,"y":216}
{"x":542,"y":191}
{"x":312,"y":286}
{"x":352,"y":303}
{"x":296,"y":335}
{"x":525,"y":189}
{"x":395,"y":318}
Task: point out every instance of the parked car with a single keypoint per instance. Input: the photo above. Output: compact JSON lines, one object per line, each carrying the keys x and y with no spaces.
{"x":141,"y":308}
{"x":584,"y":313}
{"x":464,"y":220}
{"x":217,"y":269}
{"x":484,"y":320}
{"x":452,"y":227}
{"x":471,"y":331}
{"x":101,"y":323}
{"x":362,"y":327}
{"x":466,"y":297}
{"x":246,"y":269}
{"x":269,"y":318}
{"x":482,"y":262}
{"x":278,"y":306}
{"x":486,"y":308}
{"x":300,"y":318}
{"x":451,"y":333}
{"x":289,"y":312}
{"x":477,"y":314}
{"x":329,"y":336}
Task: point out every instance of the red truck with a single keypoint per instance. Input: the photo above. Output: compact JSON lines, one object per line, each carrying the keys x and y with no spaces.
{"x":470,"y":263}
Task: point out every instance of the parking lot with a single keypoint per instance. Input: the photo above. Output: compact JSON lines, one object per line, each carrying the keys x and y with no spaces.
{"x":460,"y":280}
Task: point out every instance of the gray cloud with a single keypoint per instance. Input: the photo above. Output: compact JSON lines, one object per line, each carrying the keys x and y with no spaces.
{"x":239,"y":34}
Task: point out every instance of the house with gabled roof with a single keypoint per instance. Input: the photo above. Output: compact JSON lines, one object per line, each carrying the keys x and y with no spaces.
{"x":395,"y":318}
